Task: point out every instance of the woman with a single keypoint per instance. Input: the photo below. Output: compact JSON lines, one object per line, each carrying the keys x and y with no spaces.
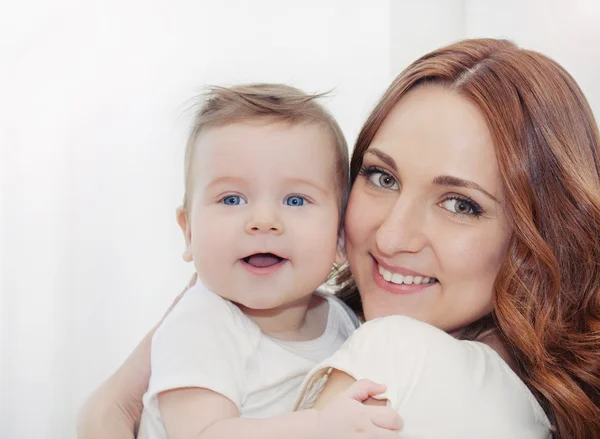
{"x":526,"y":243}
{"x":475,"y":208}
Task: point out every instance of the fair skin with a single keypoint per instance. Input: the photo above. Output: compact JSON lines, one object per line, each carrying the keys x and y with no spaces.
{"x":242,"y":204}
{"x":429,"y":204}
{"x":262,"y":230}
{"x":413,"y":221}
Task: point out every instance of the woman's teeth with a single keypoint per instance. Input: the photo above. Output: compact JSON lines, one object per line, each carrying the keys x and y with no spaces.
{"x":399,"y":279}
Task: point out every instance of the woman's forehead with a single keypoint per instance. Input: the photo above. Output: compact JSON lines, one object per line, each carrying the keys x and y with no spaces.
{"x":440,"y":132}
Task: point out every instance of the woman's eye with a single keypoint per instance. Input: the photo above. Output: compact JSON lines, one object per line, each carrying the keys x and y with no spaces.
{"x":461,"y":206}
{"x":233,"y":200}
{"x":383,"y":180}
{"x":379,"y":178}
{"x":295,"y":201}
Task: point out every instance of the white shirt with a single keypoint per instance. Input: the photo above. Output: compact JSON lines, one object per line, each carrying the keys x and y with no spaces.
{"x":442,"y":387}
{"x":206,"y":341}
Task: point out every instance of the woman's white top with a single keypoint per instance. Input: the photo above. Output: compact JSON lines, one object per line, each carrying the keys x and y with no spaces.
{"x":442,"y":387}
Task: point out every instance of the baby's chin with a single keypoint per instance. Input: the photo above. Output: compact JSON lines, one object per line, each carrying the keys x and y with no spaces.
{"x":267,"y":299}
{"x":269,"y":302}
{"x":257,"y":305}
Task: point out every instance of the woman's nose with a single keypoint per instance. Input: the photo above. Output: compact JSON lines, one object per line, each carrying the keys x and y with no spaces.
{"x":402,"y":229}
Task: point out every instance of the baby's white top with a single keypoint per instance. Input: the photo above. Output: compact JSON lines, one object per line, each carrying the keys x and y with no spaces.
{"x":442,"y":387}
{"x":208,"y":342}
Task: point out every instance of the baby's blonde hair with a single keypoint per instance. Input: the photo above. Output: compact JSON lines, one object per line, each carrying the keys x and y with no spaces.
{"x":221,"y":106}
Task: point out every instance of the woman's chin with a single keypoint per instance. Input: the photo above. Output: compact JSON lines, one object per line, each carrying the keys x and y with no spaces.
{"x":385,"y":309}
{"x":378,"y":311}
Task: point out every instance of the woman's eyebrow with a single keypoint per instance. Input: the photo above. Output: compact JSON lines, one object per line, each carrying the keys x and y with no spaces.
{"x":383,"y":157}
{"x":448,"y":180}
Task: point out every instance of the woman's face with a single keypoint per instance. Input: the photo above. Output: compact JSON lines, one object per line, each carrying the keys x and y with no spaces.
{"x":426,"y":231}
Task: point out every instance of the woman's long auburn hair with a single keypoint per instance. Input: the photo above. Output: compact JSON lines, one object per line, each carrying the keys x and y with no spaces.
{"x":546,"y":302}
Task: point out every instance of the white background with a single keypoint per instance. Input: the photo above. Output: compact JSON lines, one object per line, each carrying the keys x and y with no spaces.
{"x":92,"y":128}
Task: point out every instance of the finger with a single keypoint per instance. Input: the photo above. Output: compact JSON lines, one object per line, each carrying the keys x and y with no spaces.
{"x":364,"y":389}
{"x":385,"y":417}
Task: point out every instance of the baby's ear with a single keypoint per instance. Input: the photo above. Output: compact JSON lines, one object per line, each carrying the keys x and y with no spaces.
{"x":340,"y":254}
{"x":182,"y":220}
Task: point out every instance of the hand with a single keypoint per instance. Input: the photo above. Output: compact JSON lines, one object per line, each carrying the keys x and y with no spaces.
{"x":346,"y":417}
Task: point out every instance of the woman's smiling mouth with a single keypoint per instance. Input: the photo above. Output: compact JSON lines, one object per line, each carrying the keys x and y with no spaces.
{"x":401,"y":280}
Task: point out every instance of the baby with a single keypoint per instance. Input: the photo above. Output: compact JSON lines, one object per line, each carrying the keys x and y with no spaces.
{"x":266,"y":183}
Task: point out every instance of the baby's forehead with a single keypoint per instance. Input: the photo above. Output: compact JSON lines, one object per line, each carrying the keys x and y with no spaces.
{"x":271,"y":140}
{"x":246,"y":131}
{"x":251,"y":148}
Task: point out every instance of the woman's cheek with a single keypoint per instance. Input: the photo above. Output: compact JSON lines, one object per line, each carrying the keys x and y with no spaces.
{"x":359,"y":216}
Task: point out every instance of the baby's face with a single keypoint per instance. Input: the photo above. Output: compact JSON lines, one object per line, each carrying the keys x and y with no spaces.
{"x":264,"y":211}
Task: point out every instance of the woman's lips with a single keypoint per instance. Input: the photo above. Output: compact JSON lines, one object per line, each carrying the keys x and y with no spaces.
{"x":408,"y":279}
{"x":397,"y":283}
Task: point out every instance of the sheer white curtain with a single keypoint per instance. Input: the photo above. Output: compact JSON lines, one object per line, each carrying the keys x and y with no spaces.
{"x":91,"y":135}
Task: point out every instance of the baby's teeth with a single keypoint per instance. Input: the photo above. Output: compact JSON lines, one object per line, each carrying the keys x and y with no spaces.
{"x":381,"y":270}
{"x":408,"y":280}
{"x":425,"y":280}
{"x":397,"y":278}
{"x":417,"y":280}
{"x":387,"y":275}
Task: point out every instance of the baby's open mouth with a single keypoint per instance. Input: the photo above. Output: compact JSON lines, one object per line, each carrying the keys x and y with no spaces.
{"x":263,"y":260}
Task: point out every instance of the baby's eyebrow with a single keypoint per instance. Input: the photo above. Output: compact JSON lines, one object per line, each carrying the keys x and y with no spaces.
{"x":226,"y":179}
{"x":449,"y":180}
{"x":305,"y":181}
{"x":239,"y":181}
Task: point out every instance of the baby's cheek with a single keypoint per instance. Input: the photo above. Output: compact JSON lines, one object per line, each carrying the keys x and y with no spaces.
{"x":208,"y":254}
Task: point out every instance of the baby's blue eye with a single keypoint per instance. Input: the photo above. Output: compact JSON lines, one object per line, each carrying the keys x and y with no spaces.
{"x":233,"y":200}
{"x":295,"y":201}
